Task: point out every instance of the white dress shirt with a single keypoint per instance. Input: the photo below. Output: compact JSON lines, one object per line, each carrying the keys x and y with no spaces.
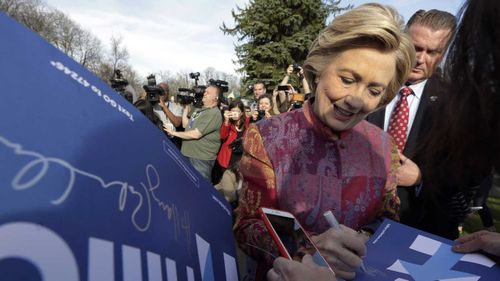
{"x":413,"y":102}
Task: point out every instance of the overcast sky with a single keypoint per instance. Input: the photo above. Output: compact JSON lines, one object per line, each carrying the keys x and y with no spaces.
{"x":184,"y":35}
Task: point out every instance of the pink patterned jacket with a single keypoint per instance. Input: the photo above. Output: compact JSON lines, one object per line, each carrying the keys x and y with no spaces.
{"x":292,"y":163}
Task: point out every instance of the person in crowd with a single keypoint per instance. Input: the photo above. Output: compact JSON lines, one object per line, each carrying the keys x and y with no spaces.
{"x":300,"y":74}
{"x":230,"y":185}
{"x":259,"y":89}
{"x":462,"y":147}
{"x":283,"y":100}
{"x":201,"y":138}
{"x":265,"y":108}
{"x":144,"y":106}
{"x":325,"y":156}
{"x":287,"y":99}
{"x":430,"y":31}
{"x":248,"y":112}
{"x":170,"y":113}
{"x":131,"y":92}
{"x":231,"y":133}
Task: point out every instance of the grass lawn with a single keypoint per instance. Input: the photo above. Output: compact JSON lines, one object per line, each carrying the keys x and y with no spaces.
{"x":473,"y":222}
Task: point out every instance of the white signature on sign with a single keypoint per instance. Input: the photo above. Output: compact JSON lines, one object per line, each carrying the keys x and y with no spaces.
{"x":36,"y":169}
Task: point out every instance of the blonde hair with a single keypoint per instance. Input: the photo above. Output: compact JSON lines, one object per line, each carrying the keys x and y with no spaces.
{"x":370,"y":25}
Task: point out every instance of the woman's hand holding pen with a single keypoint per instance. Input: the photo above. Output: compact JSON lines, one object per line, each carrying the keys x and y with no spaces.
{"x":290,"y":270}
{"x":343,"y":249}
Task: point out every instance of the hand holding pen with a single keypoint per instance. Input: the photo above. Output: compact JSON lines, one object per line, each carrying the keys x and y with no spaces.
{"x":334,"y":223}
{"x":342,"y":248}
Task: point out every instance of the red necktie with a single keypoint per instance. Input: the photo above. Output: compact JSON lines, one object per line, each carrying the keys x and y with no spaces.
{"x":398,"y":124}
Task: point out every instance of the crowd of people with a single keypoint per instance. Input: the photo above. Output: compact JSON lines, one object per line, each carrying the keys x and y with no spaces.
{"x":381,"y":129}
{"x":210,"y":134}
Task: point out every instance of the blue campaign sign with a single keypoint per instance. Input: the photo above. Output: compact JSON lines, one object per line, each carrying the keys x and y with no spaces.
{"x":89,"y":188}
{"x":400,"y":252}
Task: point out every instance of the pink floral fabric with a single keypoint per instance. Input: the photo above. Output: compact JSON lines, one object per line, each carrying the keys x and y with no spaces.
{"x":292,"y":163}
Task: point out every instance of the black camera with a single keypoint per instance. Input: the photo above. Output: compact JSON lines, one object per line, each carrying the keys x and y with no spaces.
{"x":221,"y":84}
{"x":298,"y":100}
{"x":194,"y":75}
{"x":191,"y":96}
{"x":153,"y":91}
{"x":296,"y":69}
{"x":118,"y":83}
{"x":285,"y":88}
{"x":195,"y":95}
{"x":262,"y":114}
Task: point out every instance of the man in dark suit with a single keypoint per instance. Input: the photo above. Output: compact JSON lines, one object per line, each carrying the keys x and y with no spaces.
{"x":430,"y":32}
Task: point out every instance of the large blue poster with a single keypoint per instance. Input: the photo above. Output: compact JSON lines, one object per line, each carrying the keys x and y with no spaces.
{"x":89,"y":188}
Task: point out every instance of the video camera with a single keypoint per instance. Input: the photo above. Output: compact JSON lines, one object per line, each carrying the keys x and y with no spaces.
{"x":191,"y":96}
{"x":195,"y":95}
{"x":118,"y":83}
{"x":195,"y":76}
{"x":153,"y":91}
{"x":221,"y":84}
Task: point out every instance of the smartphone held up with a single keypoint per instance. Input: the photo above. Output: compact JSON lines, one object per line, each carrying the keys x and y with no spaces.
{"x":291,"y":239}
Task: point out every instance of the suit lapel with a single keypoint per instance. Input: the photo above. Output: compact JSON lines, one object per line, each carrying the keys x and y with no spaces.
{"x":377,"y":118}
{"x":432,"y":87}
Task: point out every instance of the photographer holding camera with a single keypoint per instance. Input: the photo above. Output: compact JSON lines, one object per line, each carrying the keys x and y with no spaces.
{"x":295,"y":68}
{"x":286,"y":98}
{"x":231,"y":134}
{"x":265,"y":108}
{"x":201,"y":138}
{"x":289,"y":99}
{"x":155,"y":106}
{"x":122,"y":87}
{"x":168,"y":112}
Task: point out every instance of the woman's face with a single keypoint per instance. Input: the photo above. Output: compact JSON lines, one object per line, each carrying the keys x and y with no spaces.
{"x":265,"y":104}
{"x":351,"y":86}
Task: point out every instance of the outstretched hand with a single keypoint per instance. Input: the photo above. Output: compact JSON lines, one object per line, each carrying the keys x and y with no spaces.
{"x":482,"y":240}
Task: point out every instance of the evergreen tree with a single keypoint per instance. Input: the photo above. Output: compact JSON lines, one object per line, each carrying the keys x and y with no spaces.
{"x":275,"y":34}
